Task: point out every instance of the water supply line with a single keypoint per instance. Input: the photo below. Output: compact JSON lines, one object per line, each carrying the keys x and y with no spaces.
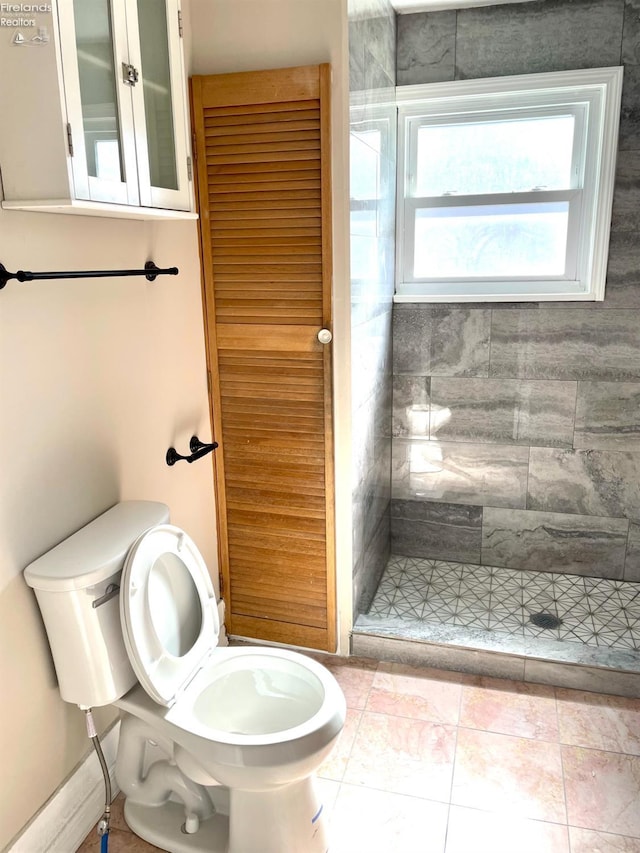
{"x":104,"y":822}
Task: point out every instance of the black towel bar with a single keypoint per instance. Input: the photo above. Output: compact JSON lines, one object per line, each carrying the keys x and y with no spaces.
{"x":150,"y":272}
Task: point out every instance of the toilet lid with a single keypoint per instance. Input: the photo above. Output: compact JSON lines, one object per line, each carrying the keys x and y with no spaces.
{"x":168,"y":611}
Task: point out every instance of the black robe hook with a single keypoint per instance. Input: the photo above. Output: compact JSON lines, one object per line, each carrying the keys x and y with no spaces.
{"x":198,"y":450}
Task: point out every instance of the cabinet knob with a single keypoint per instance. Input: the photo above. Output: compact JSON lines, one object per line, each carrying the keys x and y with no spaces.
{"x":325,"y":336}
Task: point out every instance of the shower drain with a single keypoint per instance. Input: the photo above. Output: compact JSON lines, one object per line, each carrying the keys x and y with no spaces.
{"x":545,"y":620}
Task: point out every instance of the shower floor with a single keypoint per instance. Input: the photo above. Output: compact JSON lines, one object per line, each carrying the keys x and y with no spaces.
{"x":560,"y":618}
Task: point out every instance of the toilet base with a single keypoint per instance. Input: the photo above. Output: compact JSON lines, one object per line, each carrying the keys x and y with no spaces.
{"x":289,"y":818}
{"x":162,"y":826}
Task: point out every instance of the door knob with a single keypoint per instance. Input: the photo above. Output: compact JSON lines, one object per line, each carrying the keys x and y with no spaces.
{"x":325,"y":336}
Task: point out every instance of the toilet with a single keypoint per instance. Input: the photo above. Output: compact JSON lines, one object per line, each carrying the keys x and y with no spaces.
{"x":218,"y":745}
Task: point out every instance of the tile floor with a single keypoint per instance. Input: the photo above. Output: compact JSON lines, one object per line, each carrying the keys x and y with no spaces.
{"x":592,"y":611}
{"x":439,"y":762}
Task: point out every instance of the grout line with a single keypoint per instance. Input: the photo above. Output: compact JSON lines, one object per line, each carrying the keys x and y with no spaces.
{"x":453,"y":771}
{"x":617,"y":752}
{"x":489,"y":373}
{"x":455,"y":47}
{"x":575,"y":413}
{"x":564,"y":785}
{"x":353,"y":743}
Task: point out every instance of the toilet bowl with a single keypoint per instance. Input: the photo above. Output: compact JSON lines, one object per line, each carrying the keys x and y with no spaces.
{"x":202,"y":724}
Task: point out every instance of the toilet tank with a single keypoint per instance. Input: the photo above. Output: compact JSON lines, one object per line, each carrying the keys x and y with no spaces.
{"x":77,"y":588}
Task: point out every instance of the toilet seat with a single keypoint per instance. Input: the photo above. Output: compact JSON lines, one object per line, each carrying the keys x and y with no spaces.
{"x":168,"y":611}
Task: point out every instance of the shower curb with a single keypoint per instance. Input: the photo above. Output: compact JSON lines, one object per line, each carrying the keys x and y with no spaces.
{"x":516,"y":667}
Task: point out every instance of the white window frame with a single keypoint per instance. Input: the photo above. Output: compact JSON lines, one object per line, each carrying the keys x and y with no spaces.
{"x":593,"y":96}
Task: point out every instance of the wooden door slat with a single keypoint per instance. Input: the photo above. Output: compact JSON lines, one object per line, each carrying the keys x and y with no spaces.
{"x":257,"y":116}
{"x":263,"y":608}
{"x":223,"y":131}
{"x":303,"y":181}
{"x":244,"y":202}
{"x":228,"y":164}
{"x":309,"y":508}
{"x":309,"y":418}
{"x":270,"y":587}
{"x":286,"y":137}
{"x":248,"y":557}
{"x":221,"y":225}
{"x":262,"y":151}
{"x":248,"y":109}
{"x":300,"y":301}
{"x":272,"y":176}
{"x":304,"y":593}
{"x":256,"y":319}
{"x":266,"y":439}
{"x":241,"y":214}
{"x":300,"y":547}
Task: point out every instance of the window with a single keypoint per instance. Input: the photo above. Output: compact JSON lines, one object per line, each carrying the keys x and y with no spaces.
{"x":506,"y":187}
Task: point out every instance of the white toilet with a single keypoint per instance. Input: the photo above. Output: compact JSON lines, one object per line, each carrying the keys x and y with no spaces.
{"x":218,"y":745}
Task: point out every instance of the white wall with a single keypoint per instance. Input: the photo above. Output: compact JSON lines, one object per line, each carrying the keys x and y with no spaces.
{"x":249,"y":35}
{"x":98,"y":378}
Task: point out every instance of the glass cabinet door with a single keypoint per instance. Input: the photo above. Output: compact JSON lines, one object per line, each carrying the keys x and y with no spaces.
{"x":156,"y":89}
{"x":162,"y":162}
{"x":106,"y":111}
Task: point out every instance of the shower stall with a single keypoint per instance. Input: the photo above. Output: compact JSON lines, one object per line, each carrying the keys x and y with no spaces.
{"x":496,"y":445}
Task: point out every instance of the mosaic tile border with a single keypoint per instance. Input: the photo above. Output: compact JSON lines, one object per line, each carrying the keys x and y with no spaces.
{"x":596,"y":612}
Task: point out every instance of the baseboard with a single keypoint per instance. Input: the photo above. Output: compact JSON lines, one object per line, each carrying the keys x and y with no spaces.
{"x":70,"y":814}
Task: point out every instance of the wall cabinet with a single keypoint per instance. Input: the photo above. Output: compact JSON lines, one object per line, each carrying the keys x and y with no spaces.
{"x":96,"y":120}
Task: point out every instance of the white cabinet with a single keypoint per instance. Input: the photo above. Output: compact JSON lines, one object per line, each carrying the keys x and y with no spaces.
{"x":96,"y":120}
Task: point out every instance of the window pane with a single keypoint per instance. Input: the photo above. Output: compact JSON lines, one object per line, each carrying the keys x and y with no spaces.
{"x":156,"y":85}
{"x":491,"y":241}
{"x":107,"y":159}
{"x":495,"y":156}
{"x":94,"y":43}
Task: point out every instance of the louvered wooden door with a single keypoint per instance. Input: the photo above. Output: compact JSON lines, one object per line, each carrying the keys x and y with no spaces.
{"x":263,"y":172}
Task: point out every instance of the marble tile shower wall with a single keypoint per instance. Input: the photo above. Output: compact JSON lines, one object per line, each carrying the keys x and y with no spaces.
{"x":372,"y":65}
{"x":517,"y":427}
